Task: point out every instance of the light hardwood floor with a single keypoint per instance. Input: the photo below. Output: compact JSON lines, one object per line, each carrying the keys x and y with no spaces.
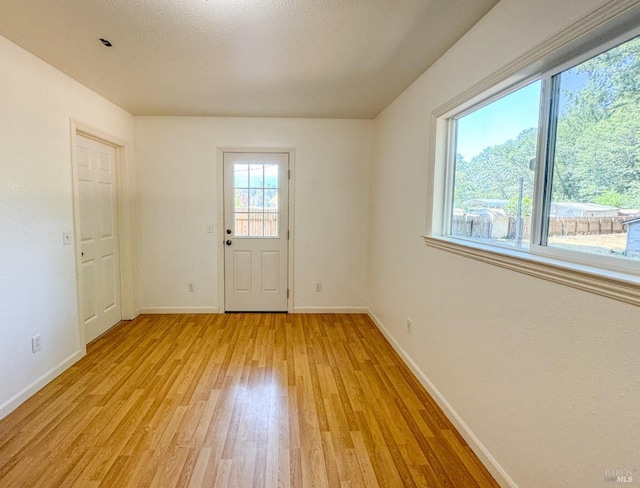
{"x":236,"y":400}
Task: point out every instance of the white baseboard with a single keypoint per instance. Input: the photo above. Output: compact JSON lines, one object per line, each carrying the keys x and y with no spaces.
{"x":180,"y":310}
{"x":133,"y":316}
{"x":173,"y":310}
{"x":474,"y":442}
{"x":330,"y":310}
{"x":23,"y":395}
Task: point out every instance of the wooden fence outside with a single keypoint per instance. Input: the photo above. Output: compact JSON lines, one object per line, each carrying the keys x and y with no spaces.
{"x":256,"y":224}
{"x":503,"y":227}
{"x":576,"y":226}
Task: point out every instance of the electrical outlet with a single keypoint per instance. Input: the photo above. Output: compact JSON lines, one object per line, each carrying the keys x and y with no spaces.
{"x":192,"y":287}
{"x":319,"y":286}
{"x":36,"y":343}
{"x":66,"y":238}
{"x":409,"y":324}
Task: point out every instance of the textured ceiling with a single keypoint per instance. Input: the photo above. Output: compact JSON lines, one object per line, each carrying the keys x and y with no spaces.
{"x":280,"y":58}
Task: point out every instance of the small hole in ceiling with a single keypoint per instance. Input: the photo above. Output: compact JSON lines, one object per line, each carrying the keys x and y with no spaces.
{"x":105,"y":42}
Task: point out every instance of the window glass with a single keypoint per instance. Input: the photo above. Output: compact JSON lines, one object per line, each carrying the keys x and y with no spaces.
{"x":241,"y":176}
{"x":256,"y":176}
{"x":256,"y":200}
{"x":493,"y":169}
{"x":595,"y":155}
{"x":271,"y":175}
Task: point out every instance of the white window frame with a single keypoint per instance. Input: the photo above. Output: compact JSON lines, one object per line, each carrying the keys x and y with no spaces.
{"x":606,"y":276}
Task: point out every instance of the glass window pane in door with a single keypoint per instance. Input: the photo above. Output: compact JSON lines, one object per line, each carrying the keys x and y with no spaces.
{"x":271,"y":224}
{"x":271,"y":200}
{"x":241,"y":200}
{"x":241,"y":222}
{"x":256,"y":204}
{"x":256,"y":179}
{"x":241,"y":176}
{"x":257,"y":200}
{"x":271,"y":176}
{"x":256,"y":226}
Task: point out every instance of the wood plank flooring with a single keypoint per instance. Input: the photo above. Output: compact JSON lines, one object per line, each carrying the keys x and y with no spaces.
{"x":236,"y":400}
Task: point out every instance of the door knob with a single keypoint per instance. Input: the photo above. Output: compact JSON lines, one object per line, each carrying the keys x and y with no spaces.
{"x":228,"y":243}
{"x":228,"y":231}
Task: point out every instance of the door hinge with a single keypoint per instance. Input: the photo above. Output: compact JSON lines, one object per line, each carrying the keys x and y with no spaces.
{"x":287,"y":292}
{"x":287,"y":235}
{"x":289,"y":174}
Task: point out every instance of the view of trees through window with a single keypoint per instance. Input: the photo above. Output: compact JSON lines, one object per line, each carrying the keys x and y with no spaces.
{"x":595,"y":142}
{"x":489,"y":178}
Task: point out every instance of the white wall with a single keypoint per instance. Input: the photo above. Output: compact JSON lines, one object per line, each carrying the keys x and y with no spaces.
{"x":177,"y":184}
{"x":544,"y":375}
{"x":37,"y":273}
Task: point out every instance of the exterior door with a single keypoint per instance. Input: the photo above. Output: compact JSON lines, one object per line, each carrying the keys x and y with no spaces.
{"x":97,"y":206}
{"x":256,"y":229}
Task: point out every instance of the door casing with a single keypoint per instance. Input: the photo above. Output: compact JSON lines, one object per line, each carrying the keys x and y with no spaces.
{"x":126,"y":244}
{"x":291,"y":204}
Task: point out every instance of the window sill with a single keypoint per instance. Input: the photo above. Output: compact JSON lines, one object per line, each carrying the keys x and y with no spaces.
{"x":618,"y":286}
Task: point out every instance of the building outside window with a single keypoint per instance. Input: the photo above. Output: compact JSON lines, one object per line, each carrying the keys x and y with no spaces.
{"x":551,"y":166}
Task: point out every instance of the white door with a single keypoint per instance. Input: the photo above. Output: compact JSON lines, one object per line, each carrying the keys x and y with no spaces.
{"x":256,"y":226}
{"x":100,"y":271}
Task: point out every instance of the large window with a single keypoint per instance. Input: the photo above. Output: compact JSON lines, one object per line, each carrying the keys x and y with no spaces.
{"x":493,"y":182}
{"x":552,"y":166}
{"x":594,"y":155}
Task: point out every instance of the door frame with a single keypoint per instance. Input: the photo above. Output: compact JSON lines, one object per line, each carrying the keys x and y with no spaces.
{"x":220,"y":210}
{"x":125,"y":223}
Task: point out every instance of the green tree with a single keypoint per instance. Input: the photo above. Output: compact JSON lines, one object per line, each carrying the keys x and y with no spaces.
{"x":598,"y":138}
{"x":597,"y":150}
{"x":495,"y":172}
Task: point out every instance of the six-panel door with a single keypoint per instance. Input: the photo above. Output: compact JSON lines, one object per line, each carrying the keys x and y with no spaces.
{"x":100,"y":269}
